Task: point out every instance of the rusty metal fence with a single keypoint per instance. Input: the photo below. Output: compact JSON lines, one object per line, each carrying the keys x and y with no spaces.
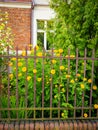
{"x":43,"y":85}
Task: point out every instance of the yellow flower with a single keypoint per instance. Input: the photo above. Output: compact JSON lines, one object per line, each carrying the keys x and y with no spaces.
{"x":11,"y":76}
{"x":20,"y":74}
{"x":34,"y":71}
{"x":62,"y":67}
{"x":30,"y":45}
{"x":28,"y":78}
{"x":56,"y":85}
{"x":85,"y":115}
{"x":72,"y":56}
{"x":89,"y":80}
{"x":19,"y":63}
{"x":82,"y":86}
{"x":78,"y":75}
{"x":72,"y":81}
{"x":96,"y":106}
{"x":55,"y":96}
{"x":58,"y":54}
{"x":13,"y":59}
{"x":94,"y":87}
{"x":61,"y":85}
{"x":66,"y":56}
{"x":37,"y":47}
{"x":53,"y":61}
{"x":84,"y":79}
{"x":23,"y":53}
{"x":24,"y":69}
{"x":60,"y":50}
{"x":39,"y":54}
{"x":55,"y":51}
{"x":39,"y":79}
{"x":63,"y":90}
{"x":66,"y":68}
{"x":32,"y":51}
{"x":53,"y":71}
{"x":62,"y":114}
{"x":10,"y":64}
{"x":68,"y":76}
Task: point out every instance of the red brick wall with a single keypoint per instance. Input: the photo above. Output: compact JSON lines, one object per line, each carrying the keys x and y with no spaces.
{"x":20,"y":22}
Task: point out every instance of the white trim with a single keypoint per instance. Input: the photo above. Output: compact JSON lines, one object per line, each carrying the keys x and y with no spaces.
{"x":15,"y":5}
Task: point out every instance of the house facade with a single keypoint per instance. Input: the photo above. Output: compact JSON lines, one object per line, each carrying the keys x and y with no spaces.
{"x":25,"y":18}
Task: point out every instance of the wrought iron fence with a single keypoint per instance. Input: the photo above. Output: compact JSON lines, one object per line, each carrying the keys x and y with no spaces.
{"x":43,"y":85}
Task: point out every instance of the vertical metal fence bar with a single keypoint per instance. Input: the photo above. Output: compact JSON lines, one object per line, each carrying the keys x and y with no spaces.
{"x":17,"y":99}
{"x":26,"y":84}
{"x":8,"y":71}
{"x":67,"y":96}
{"x":34,"y":83}
{"x":43,"y":83}
{"x":0,"y":90}
{"x":85,"y":53}
{"x":75,"y":95}
{"x":92,"y":76}
{"x":51,"y":84}
{"x":59,"y":86}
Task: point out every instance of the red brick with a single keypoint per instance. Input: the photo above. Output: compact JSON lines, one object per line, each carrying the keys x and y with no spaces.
{"x":56,"y":126}
{"x":47,"y":126}
{"x":75,"y":126}
{"x":31,"y":126}
{"x":61,"y":126}
{"x":6,"y":126}
{"x":52,"y":126}
{"x":20,"y":23}
{"x":1,"y":126}
{"x":37,"y":126}
{"x":66,"y":125}
{"x":41,"y":126}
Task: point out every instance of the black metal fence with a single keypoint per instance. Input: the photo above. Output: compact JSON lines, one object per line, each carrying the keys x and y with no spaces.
{"x":43,"y":85}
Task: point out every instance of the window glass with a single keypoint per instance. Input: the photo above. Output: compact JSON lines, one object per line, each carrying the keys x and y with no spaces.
{"x":45,"y":33}
{"x":40,"y":39}
{"x":40,"y":24}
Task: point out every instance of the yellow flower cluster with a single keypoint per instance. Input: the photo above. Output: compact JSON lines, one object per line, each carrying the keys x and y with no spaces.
{"x":94,"y":87}
{"x":53,"y":71}
{"x":23,"y":53}
{"x":68,"y":76}
{"x":72,"y":81}
{"x":53,"y":61}
{"x":20,"y":74}
{"x":24,"y":69}
{"x":39,"y":79}
{"x":10,"y":63}
{"x":82,"y":86}
{"x":34,"y":71}
{"x":19,"y":63}
{"x":11,"y":76}
{"x":60,"y":50}
{"x":96,"y":106}
{"x":39,"y":54}
{"x":28,"y":78}
{"x":85,"y":115}
{"x":62,"y":67}
{"x":89,"y":80}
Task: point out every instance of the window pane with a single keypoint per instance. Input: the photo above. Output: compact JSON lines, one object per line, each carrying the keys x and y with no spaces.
{"x":50,"y":40}
{"x":50,"y":25}
{"x":40,"y":39}
{"x":40,"y":24}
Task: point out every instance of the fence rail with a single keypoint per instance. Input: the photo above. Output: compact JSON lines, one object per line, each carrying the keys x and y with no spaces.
{"x":43,"y":85}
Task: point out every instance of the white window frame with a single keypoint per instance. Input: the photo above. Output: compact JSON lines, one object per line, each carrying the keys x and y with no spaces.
{"x":39,"y":12}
